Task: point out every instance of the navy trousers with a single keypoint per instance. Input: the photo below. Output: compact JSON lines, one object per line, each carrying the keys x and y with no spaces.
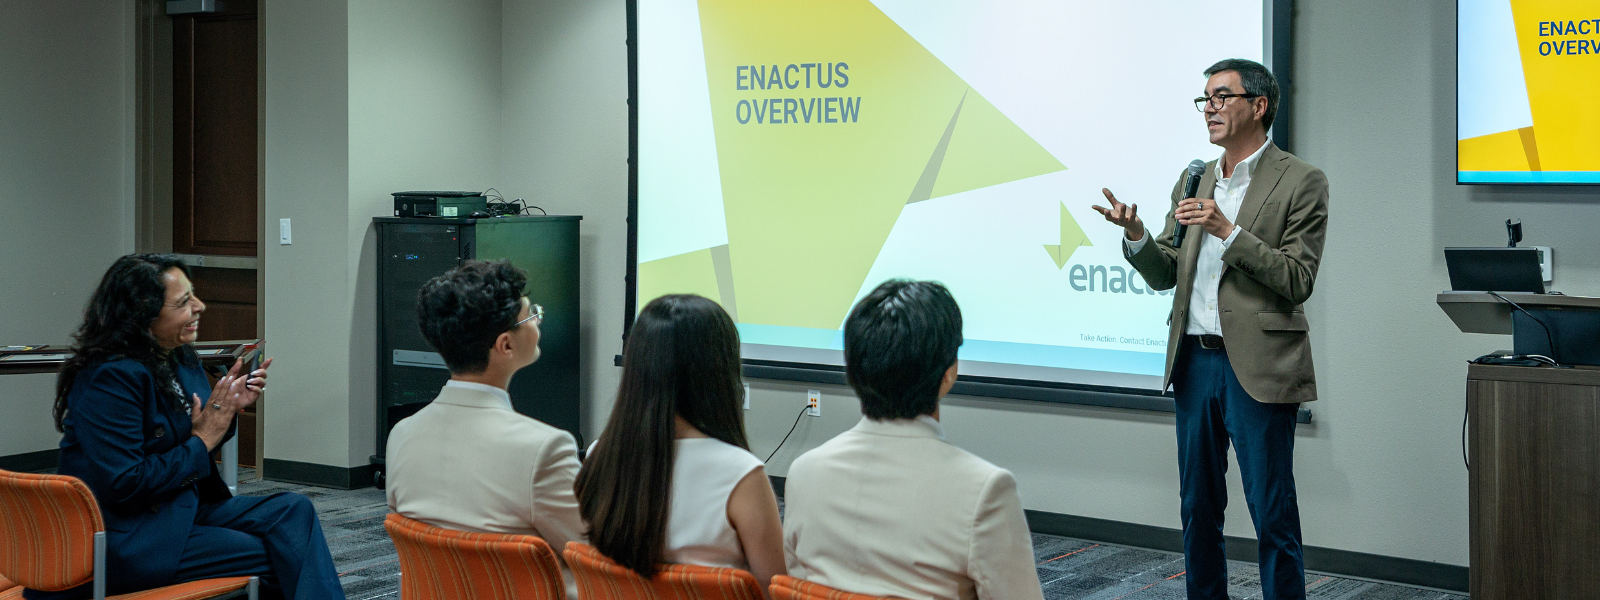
{"x":276,"y":537}
{"x":1213,"y":409}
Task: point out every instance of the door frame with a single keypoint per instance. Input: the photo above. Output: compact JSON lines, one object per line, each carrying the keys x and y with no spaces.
{"x":153,"y":155}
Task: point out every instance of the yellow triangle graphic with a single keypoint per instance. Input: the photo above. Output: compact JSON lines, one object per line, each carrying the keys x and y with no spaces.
{"x":986,"y":149}
{"x":826,"y":127}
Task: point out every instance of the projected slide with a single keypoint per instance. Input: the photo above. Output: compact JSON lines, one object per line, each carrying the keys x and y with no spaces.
{"x":1528,"y":83}
{"x":792,"y":156}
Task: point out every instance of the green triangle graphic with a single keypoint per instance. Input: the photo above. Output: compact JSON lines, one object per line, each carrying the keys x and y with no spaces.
{"x":987,"y":148}
{"x":1055,"y":254}
{"x":1072,"y":237}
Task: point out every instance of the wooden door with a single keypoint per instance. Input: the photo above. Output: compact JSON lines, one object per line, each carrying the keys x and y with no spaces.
{"x":214,"y":132}
{"x":214,"y":173}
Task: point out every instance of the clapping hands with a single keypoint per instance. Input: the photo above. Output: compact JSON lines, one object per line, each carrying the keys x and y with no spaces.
{"x":232,"y":393}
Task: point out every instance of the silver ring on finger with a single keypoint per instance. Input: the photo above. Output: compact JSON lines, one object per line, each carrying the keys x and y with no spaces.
{"x":216,"y":405}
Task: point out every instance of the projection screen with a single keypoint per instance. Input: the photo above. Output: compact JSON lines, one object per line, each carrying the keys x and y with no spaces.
{"x":791,"y":156}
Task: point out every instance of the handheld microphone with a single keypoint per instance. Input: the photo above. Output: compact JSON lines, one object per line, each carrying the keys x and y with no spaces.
{"x":1191,"y":186}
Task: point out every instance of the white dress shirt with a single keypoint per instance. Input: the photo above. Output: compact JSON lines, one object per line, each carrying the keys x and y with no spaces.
{"x":1204,"y":318}
{"x":487,"y":389}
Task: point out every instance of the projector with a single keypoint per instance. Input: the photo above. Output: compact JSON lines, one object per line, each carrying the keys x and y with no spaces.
{"x":438,"y":204}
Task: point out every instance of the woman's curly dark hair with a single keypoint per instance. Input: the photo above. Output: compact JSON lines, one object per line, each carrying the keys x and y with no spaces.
{"x":116,"y":324}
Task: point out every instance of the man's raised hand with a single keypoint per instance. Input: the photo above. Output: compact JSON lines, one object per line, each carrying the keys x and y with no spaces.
{"x":1122,"y":215}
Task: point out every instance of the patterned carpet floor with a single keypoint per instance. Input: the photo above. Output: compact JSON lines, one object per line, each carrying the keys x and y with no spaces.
{"x":1069,"y":569}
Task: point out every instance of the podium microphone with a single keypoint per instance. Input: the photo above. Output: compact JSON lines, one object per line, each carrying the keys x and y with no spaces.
{"x":1191,"y":186}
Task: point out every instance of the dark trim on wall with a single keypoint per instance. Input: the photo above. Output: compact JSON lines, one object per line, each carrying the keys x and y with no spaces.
{"x":1387,"y":568}
{"x":30,"y":462}
{"x":630,"y":276}
{"x":798,"y":372}
{"x":992,"y":387}
{"x":1283,"y":69}
{"x":342,"y":478}
{"x":1323,"y":560}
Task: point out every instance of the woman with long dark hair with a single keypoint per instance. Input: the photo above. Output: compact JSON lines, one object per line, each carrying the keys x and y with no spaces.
{"x":672,"y":479}
{"x":139,"y":420}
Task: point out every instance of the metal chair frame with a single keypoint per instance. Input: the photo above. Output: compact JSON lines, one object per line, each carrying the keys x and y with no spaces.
{"x":251,"y":590}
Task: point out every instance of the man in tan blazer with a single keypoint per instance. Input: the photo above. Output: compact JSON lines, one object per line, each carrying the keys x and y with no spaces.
{"x":1238,"y":353}
{"x":467,"y":461}
{"x":889,"y":508}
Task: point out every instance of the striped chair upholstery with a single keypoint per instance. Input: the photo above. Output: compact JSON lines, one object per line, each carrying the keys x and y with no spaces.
{"x":440,"y":564}
{"x":785,"y":587}
{"x":48,"y":525}
{"x":9,"y":589}
{"x":600,"y":578}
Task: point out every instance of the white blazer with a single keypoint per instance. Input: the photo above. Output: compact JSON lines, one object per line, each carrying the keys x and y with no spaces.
{"x":889,"y":508}
{"x":469,"y":462}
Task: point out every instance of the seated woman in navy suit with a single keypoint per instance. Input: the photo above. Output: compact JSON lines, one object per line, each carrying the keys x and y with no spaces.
{"x":140,"y":421}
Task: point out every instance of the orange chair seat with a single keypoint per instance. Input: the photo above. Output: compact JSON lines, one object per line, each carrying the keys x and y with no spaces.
{"x":785,"y":587}
{"x":48,"y":524}
{"x":193,"y":590}
{"x":600,"y":578}
{"x":439,"y":564}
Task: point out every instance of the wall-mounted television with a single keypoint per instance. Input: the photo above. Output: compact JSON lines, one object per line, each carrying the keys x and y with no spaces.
{"x":1527,"y":92}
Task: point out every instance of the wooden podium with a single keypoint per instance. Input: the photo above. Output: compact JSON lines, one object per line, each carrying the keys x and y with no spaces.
{"x":1534,"y":482}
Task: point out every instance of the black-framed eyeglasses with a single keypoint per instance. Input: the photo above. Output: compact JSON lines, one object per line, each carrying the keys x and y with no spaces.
{"x":537,"y":317}
{"x":1217,"y":100}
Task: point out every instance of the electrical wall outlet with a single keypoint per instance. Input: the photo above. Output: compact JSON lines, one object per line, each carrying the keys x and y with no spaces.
{"x":283,"y":232}
{"x":814,"y":403}
{"x":747,"y":396}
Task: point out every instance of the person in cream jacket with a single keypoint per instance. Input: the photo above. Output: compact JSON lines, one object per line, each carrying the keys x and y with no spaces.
{"x":467,"y":461}
{"x":889,"y":508}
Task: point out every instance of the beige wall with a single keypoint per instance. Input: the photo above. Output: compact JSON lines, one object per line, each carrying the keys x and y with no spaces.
{"x":306,"y":178}
{"x":539,"y":111}
{"x":1377,"y":112}
{"x":363,"y":98}
{"x":566,"y":150}
{"x":66,"y":183}
{"x":424,"y":115}
{"x":1379,"y":471}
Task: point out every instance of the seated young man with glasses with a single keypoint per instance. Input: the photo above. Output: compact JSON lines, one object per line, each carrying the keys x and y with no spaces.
{"x":468,"y":461}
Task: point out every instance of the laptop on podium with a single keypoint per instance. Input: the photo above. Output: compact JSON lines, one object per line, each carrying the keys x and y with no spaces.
{"x":1494,"y":270}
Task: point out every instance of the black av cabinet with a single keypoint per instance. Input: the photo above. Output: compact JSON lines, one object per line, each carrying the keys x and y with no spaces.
{"x":413,"y":250}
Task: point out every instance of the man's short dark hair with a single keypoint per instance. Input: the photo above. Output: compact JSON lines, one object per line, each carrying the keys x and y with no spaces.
{"x":898,"y":342}
{"x":464,"y":311}
{"x":1257,"y":80}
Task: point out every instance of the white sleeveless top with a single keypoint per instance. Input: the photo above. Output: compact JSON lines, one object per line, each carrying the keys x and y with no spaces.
{"x":704,"y":473}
